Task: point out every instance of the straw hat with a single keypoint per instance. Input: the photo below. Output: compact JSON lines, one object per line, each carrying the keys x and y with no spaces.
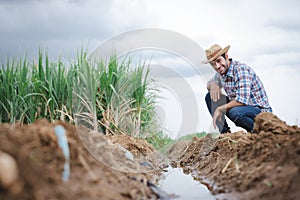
{"x":214,"y":52}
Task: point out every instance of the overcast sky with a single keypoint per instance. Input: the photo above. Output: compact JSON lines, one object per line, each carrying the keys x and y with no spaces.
{"x":264,"y":34}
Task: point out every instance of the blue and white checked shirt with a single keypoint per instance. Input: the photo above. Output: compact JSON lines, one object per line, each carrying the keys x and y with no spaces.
{"x":242,"y":84}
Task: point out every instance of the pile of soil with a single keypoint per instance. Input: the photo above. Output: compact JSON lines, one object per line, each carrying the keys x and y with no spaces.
{"x":260,"y":165}
{"x":40,"y":164}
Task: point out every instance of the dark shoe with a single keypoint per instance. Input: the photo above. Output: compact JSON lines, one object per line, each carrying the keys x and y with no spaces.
{"x":226,"y":130}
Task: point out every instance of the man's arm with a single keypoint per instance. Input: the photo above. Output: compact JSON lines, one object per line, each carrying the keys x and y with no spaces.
{"x":231,"y":104}
{"x":224,"y":108}
{"x":214,"y":87}
{"x":214,"y":91}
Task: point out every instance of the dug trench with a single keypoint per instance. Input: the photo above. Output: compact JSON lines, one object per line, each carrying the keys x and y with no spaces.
{"x":260,"y":165}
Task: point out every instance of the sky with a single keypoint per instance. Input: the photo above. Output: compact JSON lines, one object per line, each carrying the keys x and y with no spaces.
{"x":263,"y":34}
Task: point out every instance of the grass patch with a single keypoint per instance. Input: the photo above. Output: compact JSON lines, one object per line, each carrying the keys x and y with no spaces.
{"x":166,"y":142}
{"x":107,"y":96}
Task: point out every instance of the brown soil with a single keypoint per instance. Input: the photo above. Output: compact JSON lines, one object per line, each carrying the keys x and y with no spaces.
{"x":40,"y":165}
{"x":262,"y":165}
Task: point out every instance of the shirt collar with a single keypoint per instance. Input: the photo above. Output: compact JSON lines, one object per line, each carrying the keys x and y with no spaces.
{"x":230,"y":69}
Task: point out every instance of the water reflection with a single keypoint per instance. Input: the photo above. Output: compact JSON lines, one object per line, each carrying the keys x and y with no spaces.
{"x":184,"y":186}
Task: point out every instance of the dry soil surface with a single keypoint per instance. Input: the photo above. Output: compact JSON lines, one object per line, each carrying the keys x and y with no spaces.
{"x":260,"y":165}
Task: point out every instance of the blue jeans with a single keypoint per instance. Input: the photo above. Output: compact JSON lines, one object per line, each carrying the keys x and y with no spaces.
{"x":242,"y":116}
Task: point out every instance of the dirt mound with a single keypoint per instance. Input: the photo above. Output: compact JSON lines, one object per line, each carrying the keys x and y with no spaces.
{"x":267,"y":122}
{"x":177,"y":151}
{"x":263,"y":165}
{"x":40,"y":164}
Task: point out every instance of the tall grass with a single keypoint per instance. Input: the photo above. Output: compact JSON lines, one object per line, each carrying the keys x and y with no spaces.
{"x":30,"y":91}
{"x":118,"y":96}
{"x":108,"y":96}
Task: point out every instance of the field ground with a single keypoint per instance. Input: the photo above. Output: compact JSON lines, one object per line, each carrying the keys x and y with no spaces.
{"x":262,"y":165}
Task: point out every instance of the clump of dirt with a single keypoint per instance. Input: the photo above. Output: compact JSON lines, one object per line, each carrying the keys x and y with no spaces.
{"x":177,"y":150}
{"x":145,"y":156}
{"x":40,"y":164}
{"x":267,"y":122}
{"x":134,"y":145}
{"x":261,"y":165}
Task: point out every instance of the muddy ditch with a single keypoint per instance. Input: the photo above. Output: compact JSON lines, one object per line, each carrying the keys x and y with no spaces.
{"x":262,"y":165}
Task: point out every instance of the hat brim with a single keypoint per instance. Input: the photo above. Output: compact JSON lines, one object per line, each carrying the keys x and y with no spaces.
{"x":225,"y":50}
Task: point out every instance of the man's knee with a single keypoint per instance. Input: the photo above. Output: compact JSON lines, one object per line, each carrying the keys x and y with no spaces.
{"x":236,"y":116}
{"x":242,"y":117}
{"x":207,"y":97}
{"x":222,"y":100}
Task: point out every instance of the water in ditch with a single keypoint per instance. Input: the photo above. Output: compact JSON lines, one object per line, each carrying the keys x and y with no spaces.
{"x":183,"y":186}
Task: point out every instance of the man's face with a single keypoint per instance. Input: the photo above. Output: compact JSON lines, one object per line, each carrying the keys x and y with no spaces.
{"x":220,"y":65}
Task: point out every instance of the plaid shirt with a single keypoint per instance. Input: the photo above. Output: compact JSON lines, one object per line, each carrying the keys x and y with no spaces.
{"x":242,"y":84}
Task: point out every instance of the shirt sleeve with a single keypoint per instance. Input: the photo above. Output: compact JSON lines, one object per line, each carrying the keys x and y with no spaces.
{"x":243,"y":84}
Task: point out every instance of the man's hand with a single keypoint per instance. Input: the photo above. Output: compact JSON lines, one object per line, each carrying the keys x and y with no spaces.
{"x":218,"y":114}
{"x":215,"y":91}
